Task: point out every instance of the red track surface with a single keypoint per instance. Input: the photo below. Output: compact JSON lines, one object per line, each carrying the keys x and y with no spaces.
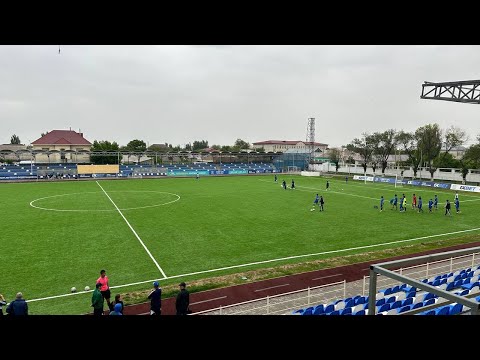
{"x":234,"y":294}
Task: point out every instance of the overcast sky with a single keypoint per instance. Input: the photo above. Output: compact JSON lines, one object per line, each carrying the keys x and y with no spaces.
{"x":178,"y":94}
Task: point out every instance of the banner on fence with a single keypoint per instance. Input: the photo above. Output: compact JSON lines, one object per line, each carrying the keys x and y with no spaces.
{"x":465,"y":188}
{"x":405,"y":182}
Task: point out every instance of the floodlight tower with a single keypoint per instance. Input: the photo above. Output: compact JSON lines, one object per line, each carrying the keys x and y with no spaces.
{"x":310,"y":139}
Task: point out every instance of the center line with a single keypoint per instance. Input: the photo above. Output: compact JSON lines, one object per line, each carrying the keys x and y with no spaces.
{"x":134,"y":232}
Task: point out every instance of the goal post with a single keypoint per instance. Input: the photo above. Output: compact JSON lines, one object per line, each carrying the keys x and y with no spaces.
{"x":398,"y":181}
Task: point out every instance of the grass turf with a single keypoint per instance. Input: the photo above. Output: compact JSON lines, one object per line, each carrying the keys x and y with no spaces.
{"x":205,"y":224}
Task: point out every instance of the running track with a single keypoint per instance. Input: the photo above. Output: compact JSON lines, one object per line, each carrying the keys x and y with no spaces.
{"x":210,"y":299}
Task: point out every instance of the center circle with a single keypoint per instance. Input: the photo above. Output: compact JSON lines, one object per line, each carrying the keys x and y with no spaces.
{"x":172,"y":196}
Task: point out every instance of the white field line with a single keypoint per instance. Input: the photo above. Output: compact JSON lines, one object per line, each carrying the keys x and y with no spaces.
{"x":134,"y":232}
{"x":476,"y":198}
{"x":299,"y":188}
{"x":388,"y":186}
{"x":95,"y":192}
{"x":262,"y":262}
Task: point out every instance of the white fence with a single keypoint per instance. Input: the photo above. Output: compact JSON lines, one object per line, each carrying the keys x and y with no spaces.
{"x":473,"y":175}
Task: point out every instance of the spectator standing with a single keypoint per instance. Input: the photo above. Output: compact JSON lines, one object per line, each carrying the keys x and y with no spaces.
{"x":18,"y":306}
{"x":118,"y":300}
{"x":105,"y":289}
{"x":3,"y":302}
{"x":183,"y":300}
{"x":155,"y":297}
{"x":116,"y":310}
{"x":97,"y":300}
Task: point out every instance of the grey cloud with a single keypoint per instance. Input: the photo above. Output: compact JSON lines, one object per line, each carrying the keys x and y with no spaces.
{"x":178,"y":94}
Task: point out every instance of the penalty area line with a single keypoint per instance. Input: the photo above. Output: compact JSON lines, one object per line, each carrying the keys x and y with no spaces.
{"x":134,"y":232}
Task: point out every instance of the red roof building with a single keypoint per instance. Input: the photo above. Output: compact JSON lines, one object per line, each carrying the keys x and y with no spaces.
{"x":62,"y":137}
{"x":62,"y":146}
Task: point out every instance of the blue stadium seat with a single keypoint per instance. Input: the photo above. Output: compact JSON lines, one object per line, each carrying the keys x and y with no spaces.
{"x":308,"y":311}
{"x":445,"y":310}
{"x":404,"y":308}
{"x":319,"y":310}
{"x":347,"y":311}
{"x":391,"y":299}
{"x":329,"y":308}
{"x":456,"y":309}
{"x":417,"y":305}
{"x":429,"y":302}
{"x":411,"y":294}
{"x":396,"y":305}
{"x":407,"y":301}
{"x":384,"y":307}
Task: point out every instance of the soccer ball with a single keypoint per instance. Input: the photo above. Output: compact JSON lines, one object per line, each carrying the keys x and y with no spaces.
{"x":87,"y":288}
{"x":73,"y":289}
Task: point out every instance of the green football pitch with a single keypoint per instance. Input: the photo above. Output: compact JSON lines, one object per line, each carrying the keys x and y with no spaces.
{"x":58,"y":235}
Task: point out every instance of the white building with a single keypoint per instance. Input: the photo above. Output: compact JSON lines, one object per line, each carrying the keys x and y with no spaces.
{"x":284,"y":145}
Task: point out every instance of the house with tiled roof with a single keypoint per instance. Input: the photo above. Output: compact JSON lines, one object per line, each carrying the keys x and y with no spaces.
{"x":62,"y":146}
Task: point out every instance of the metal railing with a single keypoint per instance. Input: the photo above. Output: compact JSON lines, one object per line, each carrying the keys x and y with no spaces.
{"x":285,"y":303}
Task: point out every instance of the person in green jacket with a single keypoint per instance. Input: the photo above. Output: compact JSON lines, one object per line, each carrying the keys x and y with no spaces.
{"x":97,"y":300}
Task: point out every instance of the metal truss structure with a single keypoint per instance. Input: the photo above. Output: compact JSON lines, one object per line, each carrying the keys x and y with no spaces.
{"x":460,"y":91}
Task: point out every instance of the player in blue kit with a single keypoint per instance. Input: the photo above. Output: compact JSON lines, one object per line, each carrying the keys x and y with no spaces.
{"x":430,"y":205}
{"x":457,"y":204}
{"x":419,"y":205}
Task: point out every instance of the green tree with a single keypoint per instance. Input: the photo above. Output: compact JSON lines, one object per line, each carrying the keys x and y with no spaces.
{"x":217,"y":147}
{"x":408,"y":142}
{"x":15,"y":140}
{"x":199,"y":145}
{"x":362,"y":146}
{"x":136,"y":145}
{"x":226,"y":148}
{"x":157,"y":148}
{"x":454,"y":136}
{"x":446,"y":160}
{"x":335,"y":157}
{"x":102,"y":146}
{"x":383,"y":146}
{"x":470,"y":159}
{"x":429,"y":139}
{"x":240,"y":144}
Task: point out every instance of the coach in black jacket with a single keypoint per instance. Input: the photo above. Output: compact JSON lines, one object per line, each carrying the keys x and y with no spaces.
{"x":183,"y":300}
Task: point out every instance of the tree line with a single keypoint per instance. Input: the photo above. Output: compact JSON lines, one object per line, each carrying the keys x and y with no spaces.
{"x":428,"y":146}
{"x":140,"y":146}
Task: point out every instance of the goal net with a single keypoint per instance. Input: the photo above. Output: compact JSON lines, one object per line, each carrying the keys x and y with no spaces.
{"x":398,"y":181}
